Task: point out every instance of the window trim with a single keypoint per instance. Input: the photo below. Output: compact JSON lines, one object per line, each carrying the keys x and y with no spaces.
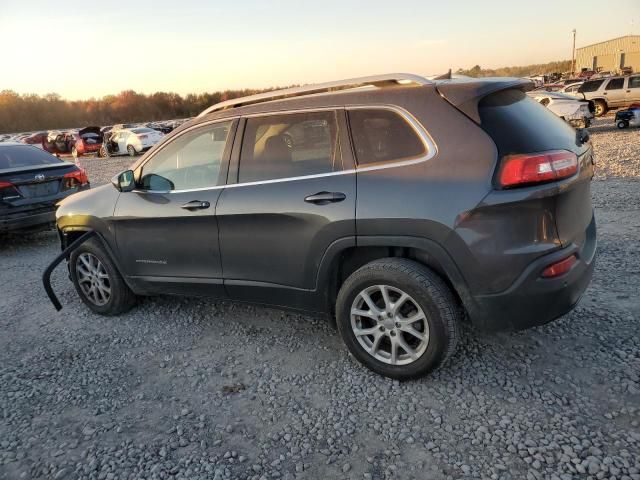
{"x":224,"y":163}
{"x":430,"y":147}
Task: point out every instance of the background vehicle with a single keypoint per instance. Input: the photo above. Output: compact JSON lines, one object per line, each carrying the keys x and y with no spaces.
{"x":130,"y":141}
{"x":58,"y":142}
{"x":624,"y":118}
{"x":31,"y":183}
{"x":611,"y":92}
{"x":470,"y":197}
{"x":87,"y":140}
{"x":576,"y":112}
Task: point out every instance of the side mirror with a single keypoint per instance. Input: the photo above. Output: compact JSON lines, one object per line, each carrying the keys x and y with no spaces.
{"x":124,"y":181}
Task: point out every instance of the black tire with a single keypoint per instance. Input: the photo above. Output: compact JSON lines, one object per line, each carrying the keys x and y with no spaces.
{"x":131,"y":150}
{"x":622,"y":124}
{"x":427,"y":289}
{"x":601,"y":108}
{"x":121,"y":298}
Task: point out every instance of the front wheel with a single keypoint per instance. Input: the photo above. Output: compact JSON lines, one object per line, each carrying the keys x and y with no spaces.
{"x":601,"y":108}
{"x":97,"y":280}
{"x":622,"y":124}
{"x":398,"y":318}
{"x":131,"y":151}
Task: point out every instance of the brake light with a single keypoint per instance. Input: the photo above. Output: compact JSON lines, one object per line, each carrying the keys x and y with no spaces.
{"x":76,"y":177}
{"x":519,"y":170}
{"x":559,"y":268}
{"x":6,"y":184}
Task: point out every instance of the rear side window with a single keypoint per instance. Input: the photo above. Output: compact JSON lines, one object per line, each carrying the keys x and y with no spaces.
{"x":634,"y":82}
{"x":381,"y":135}
{"x":19,"y":156}
{"x":590,"y":86}
{"x":615,"y":84}
{"x":289,"y":145}
{"x":518,"y":124}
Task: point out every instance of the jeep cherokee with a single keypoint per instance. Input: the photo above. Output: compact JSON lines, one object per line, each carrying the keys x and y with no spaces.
{"x":396,"y":204}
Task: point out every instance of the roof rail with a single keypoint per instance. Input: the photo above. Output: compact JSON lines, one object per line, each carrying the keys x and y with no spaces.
{"x":371,"y":81}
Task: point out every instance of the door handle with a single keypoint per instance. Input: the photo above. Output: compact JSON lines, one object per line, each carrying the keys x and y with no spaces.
{"x":196,"y":205}
{"x":323,"y":198}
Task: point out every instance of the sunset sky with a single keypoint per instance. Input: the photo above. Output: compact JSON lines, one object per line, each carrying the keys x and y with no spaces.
{"x":84,"y":49}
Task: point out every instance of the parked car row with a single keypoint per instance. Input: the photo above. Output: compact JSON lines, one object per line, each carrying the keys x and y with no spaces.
{"x":120,"y":139}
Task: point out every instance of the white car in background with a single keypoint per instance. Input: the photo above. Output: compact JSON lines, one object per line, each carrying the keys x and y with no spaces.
{"x":576,"y":112}
{"x":131,"y":141}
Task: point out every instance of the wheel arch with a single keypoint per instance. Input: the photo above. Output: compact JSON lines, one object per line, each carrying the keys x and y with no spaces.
{"x":345,"y":257}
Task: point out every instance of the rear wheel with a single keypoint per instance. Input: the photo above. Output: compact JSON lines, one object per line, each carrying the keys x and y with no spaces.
{"x":131,"y":151}
{"x":398,"y":318}
{"x":622,"y":124}
{"x":98,"y":281}
{"x":601,"y":108}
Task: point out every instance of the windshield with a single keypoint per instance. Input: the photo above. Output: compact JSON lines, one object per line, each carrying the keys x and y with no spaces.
{"x":143,"y":130}
{"x":16,"y":156}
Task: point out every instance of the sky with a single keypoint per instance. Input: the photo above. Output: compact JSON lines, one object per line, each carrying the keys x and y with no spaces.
{"x":91,"y":49}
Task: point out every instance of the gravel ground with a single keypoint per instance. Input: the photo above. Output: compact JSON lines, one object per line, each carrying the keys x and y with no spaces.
{"x":184,"y":388}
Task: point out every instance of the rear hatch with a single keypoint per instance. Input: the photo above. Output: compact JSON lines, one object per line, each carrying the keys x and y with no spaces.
{"x":519,"y":125}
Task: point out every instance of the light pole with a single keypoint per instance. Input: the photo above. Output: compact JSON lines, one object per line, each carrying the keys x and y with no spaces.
{"x":573,"y":54}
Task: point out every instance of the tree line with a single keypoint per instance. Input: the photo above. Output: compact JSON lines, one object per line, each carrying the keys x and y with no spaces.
{"x":26,"y":113}
{"x":560,"y":66}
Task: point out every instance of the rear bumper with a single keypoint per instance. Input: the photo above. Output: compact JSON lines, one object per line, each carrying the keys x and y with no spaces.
{"x":25,"y":220}
{"x":533,"y":300}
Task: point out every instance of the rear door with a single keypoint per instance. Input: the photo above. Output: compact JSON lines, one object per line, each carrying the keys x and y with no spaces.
{"x":292,"y":194}
{"x":166,"y":229}
{"x":633,"y":89}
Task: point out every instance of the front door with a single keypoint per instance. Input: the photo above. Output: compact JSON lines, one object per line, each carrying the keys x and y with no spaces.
{"x":292,"y":200}
{"x":166,"y":229}
{"x":615,"y":92}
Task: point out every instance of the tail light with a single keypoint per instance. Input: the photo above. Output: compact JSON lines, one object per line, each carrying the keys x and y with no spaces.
{"x":8,"y":191}
{"x":529,"y":169}
{"x":559,"y":268}
{"x":76,"y":178}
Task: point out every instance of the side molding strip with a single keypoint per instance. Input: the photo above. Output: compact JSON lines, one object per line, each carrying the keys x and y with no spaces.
{"x":46,"y":276}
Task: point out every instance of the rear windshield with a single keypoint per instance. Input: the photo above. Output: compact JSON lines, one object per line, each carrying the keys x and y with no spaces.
{"x":16,"y":156}
{"x":590,"y":86}
{"x":518,"y":124}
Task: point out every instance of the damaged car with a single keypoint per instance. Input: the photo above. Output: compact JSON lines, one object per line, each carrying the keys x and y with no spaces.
{"x":85,"y":141}
{"x":130,"y":142}
{"x":577,"y":113}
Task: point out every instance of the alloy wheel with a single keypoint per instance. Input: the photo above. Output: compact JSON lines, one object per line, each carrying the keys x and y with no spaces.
{"x":389,"y":325}
{"x":93,"y":279}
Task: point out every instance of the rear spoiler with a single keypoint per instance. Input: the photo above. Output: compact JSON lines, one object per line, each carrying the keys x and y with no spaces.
{"x":466,"y":93}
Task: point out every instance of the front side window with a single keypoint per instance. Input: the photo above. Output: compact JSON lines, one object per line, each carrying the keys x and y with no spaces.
{"x":192,"y":160}
{"x":381,"y":135}
{"x":615,"y":84}
{"x":289,"y":145}
{"x":590,"y":86}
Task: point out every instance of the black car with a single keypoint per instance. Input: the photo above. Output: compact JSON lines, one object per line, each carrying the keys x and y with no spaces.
{"x":395,"y":204}
{"x":32,"y":181}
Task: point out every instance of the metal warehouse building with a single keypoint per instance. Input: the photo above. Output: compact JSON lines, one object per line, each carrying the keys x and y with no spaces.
{"x":610,"y":56}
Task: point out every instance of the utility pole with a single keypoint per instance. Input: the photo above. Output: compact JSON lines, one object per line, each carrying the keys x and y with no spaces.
{"x":573,"y":54}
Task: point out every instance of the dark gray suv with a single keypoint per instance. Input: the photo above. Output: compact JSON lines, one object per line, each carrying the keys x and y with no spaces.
{"x":395,"y":204}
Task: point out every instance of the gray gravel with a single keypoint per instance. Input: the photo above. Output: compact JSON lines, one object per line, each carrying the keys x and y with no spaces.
{"x":184,"y":388}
